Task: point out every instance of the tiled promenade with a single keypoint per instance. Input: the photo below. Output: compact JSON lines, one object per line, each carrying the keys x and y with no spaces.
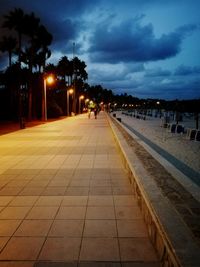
{"x":65,"y":199}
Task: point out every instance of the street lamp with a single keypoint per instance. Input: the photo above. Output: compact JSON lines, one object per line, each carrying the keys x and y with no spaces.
{"x":69,"y":92}
{"x":47,"y":80}
{"x":80,"y":98}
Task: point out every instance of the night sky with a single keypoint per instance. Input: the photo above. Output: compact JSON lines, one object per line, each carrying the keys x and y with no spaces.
{"x":146,"y":48}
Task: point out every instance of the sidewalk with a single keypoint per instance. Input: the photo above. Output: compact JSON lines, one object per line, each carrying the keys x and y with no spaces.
{"x":66,"y":200}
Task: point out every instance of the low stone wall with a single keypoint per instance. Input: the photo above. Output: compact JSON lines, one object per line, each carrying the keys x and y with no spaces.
{"x":170,"y":236}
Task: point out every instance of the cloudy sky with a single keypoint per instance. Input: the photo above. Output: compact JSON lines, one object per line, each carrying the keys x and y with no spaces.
{"x":146,"y":48}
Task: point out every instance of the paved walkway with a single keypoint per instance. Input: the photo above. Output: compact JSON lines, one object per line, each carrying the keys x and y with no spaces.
{"x":65,"y":199}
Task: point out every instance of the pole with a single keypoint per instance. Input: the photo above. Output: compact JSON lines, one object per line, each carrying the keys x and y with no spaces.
{"x":67,"y":102}
{"x":74,"y":80}
{"x":45,"y":100}
{"x":79,"y":106}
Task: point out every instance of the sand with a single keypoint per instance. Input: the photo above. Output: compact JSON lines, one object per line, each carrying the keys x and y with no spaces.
{"x":178,"y":145}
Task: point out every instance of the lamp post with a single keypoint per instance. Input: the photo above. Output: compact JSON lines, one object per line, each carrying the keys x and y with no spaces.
{"x":47,"y":80}
{"x":80,"y":98}
{"x":69,"y":92}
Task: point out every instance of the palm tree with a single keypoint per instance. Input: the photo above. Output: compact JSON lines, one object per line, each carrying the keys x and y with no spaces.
{"x":41,"y":58}
{"x":8,"y":44}
{"x":78,"y":73}
{"x":79,"y":69}
{"x":43,"y":40}
{"x":30,"y":30}
{"x":15,"y":21}
{"x":63,"y":68}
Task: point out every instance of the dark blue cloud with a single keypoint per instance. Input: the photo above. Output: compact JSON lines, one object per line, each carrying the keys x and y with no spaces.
{"x":157,"y":73}
{"x":186,"y":70}
{"x":62,"y":18}
{"x":130,"y":41}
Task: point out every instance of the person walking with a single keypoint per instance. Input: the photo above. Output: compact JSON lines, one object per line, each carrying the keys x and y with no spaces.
{"x":89,"y":113}
{"x":95,"y":113}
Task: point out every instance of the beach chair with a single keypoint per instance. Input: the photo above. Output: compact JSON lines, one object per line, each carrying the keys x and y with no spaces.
{"x":172,"y":128}
{"x":179,"y":128}
{"x":190,"y":134}
{"x":197,"y":136}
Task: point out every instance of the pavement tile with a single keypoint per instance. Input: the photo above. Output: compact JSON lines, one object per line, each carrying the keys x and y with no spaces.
{"x":42,"y":213}
{"x":17,"y":264}
{"x":80,"y":182}
{"x":67,"y":228}
{"x":71,"y":213}
{"x":34,"y":228}
{"x":99,"y":249}
{"x":23,"y":201}
{"x":57,"y":182}
{"x":137,"y":249}
{"x":13,"y":171}
{"x":38,"y":183}
{"x":46,"y":177}
{"x":99,"y":264}
{"x":31,"y":191}
{"x":14,"y":212}
{"x":100,"y":190}
{"x":74,"y":201}
{"x":22,"y":248}
{"x":8,"y":227}
{"x":126,"y":213}
{"x":61,"y":249}
{"x":141,"y":264}
{"x":77,"y":191}
{"x":49,"y":201}
{"x":47,"y":171}
{"x":120,"y":182}
{"x":30,"y":171}
{"x":100,"y":201}
{"x":3,"y":241}
{"x":18,"y":183}
{"x":100,"y":182}
{"x":100,"y":213}
{"x":54,"y":191}
{"x":55,"y":264}
{"x":100,"y":228}
{"x":10,"y":191}
{"x":5,"y":200}
{"x":122,"y":190}
{"x":131,"y":228}
{"x":125,"y":201}
{"x":100,"y":175}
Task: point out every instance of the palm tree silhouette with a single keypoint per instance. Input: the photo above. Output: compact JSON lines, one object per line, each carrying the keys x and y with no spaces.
{"x":15,"y":21}
{"x":8,"y":44}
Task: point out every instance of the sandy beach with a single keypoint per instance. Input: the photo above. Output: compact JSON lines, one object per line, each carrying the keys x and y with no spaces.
{"x":187,"y":151}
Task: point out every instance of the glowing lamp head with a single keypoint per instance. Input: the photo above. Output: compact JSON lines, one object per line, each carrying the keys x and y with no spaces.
{"x":50,"y":79}
{"x":71,"y":91}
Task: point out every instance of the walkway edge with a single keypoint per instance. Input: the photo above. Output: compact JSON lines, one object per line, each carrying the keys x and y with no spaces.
{"x":168,"y":233}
